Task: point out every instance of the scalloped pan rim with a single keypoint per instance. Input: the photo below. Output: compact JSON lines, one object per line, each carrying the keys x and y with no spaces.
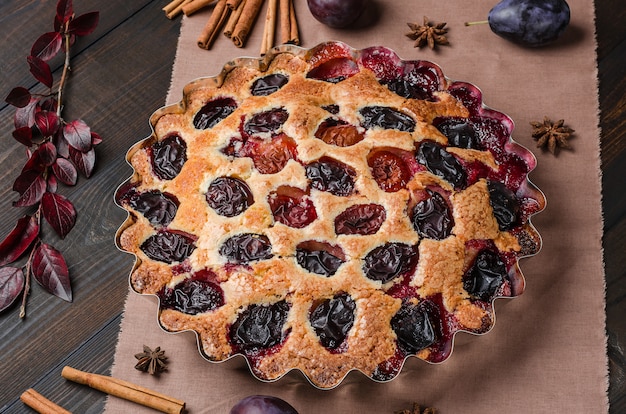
{"x":262,"y":64}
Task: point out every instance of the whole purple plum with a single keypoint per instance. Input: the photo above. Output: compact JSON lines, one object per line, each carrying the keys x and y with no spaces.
{"x":262,"y":404}
{"x":336,"y":13}
{"x":530,"y":22}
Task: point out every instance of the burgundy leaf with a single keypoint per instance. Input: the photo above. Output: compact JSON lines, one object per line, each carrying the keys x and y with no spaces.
{"x":62,"y":146}
{"x":95,"y":139}
{"x":18,"y":97}
{"x":44,"y":156}
{"x":48,"y":153}
{"x":24,"y":136}
{"x":47,"y":46}
{"x":78,"y":135}
{"x":18,"y":240}
{"x":65,"y":10}
{"x":11,"y":285}
{"x":35,"y":163}
{"x":65,"y":171}
{"x":25,"y":116}
{"x":59,"y":212}
{"x":57,"y":23}
{"x":84,"y":161}
{"x":52,"y":184}
{"x":48,"y":122}
{"x":48,"y":104}
{"x":40,"y":70}
{"x":30,"y":185}
{"x":84,"y":24}
{"x":50,"y":270}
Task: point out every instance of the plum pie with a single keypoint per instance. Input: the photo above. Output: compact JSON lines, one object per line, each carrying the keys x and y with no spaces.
{"x":329,"y":210}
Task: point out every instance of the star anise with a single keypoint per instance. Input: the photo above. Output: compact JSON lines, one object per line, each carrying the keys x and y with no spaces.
{"x":151,"y":361}
{"x":551,"y":135}
{"x":418,"y":410}
{"x":430,"y":34}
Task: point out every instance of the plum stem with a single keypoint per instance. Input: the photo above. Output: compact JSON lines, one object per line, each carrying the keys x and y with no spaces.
{"x":476,"y":23}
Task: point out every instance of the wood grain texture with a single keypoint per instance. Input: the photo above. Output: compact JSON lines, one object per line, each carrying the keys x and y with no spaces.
{"x":612,"y":83}
{"x":121,"y":75}
{"x":611,"y":36}
{"x":109,"y":78}
{"x":610,"y":17}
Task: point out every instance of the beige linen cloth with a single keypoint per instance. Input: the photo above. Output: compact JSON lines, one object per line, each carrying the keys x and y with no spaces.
{"x":547,"y":352}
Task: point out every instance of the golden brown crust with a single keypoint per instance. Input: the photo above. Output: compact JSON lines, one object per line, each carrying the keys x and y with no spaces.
{"x":441,"y":264}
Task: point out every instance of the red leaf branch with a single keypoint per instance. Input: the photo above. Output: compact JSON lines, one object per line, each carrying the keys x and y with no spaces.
{"x":57,"y":151}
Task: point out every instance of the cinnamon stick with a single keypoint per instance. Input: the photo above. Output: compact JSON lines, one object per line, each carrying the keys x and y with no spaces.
{"x":196,"y":5}
{"x":177,"y":10}
{"x":246,"y":20}
{"x":294,"y":36}
{"x":169,"y":7}
{"x":233,"y":19}
{"x":216,"y":21}
{"x":125,"y":390}
{"x":269,"y":28}
{"x":41,"y":404}
{"x":288,"y":23}
{"x":285,"y":21}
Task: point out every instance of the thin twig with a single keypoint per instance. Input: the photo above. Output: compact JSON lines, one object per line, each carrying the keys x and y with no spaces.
{"x":27,"y":277}
{"x":66,"y":69}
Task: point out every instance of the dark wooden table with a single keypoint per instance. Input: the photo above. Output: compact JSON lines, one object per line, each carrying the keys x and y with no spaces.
{"x":122,"y":73}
